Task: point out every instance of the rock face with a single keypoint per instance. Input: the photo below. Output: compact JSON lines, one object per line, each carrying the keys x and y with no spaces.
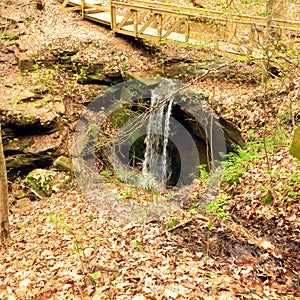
{"x":185,"y":160}
{"x":37,"y":105}
{"x":30,"y":143}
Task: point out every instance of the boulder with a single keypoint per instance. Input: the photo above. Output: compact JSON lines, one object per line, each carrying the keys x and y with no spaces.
{"x":95,"y":74}
{"x":43,"y":183}
{"x":23,"y":162}
{"x":194,"y":69}
{"x":63,"y":164}
{"x":92,"y":71}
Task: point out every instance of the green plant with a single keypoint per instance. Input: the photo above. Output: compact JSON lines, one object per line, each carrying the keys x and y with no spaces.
{"x":106,"y":176}
{"x":67,"y":226}
{"x":173,"y":223}
{"x":58,"y":220}
{"x":147,"y":181}
{"x":193,"y":211}
{"x":194,"y":208}
{"x":290,"y":189}
{"x":209,"y":226}
{"x":127,"y":176}
{"x":167,"y":197}
{"x":267,"y":199}
{"x":237,"y":163}
{"x":136,"y":245}
{"x":24,"y":144}
{"x":96,"y":275}
{"x":203,"y":173}
{"x":95,"y":243}
{"x":37,"y":65}
{"x":106,"y":173}
{"x":129,"y":193}
{"x":10,"y":36}
{"x":219,"y":206}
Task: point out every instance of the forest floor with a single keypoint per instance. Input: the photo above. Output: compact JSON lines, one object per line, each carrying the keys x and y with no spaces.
{"x":246,"y":247}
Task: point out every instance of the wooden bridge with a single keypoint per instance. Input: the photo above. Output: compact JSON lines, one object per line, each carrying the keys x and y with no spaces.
{"x":222,"y":31}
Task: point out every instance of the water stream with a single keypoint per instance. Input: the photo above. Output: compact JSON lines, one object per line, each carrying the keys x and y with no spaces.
{"x":155,"y":164}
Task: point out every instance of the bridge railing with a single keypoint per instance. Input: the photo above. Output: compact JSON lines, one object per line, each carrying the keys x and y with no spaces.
{"x":211,"y":14}
{"x":154,"y":20}
{"x":86,"y":7}
{"x":158,"y":21}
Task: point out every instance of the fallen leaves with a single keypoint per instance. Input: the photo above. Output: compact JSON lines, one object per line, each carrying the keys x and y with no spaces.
{"x":49,"y":264}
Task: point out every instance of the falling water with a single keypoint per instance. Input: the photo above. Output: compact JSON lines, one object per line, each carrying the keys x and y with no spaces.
{"x":158,"y":131}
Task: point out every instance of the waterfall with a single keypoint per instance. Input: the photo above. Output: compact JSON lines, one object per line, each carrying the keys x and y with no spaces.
{"x":155,"y":164}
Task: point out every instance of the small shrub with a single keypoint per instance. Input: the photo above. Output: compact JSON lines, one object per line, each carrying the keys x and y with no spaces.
{"x":219,"y":206}
{"x":237,"y":163}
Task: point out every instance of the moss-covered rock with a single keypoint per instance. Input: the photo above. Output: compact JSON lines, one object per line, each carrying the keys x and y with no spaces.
{"x":44,"y":183}
{"x":295,"y":147}
{"x":63,"y":163}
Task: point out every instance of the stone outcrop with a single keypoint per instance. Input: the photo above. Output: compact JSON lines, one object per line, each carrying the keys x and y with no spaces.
{"x":32,"y":132}
{"x":35,"y":117}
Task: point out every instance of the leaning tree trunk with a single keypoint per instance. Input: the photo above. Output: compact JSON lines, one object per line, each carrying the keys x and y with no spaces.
{"x":4,"y":225}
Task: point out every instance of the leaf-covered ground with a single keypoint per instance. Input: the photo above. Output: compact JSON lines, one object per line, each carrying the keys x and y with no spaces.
{"x":63,"y":247}
{"x":59,"y":244}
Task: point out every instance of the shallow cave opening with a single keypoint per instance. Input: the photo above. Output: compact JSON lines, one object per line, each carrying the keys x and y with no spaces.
{"x":137,"y":156}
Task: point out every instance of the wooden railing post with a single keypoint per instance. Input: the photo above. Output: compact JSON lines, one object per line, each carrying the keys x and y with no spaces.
{"x":159,"y":26}
{"x":113,"y":19}
{"x":82,"y":8}
{"x":156,"y":21}
{"x":187,"y":29}
{"x":135,"y":22}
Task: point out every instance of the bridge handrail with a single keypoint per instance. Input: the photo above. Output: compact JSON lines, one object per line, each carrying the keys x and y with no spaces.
{"x":208,"y":14}
{"x":188,"y":12}
{"x":82,"y":4}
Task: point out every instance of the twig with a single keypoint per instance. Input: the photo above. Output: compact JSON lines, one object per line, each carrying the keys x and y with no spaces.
{"x":180,"y":225}
{"x":107,"y":269}
{"x":80,"y":291}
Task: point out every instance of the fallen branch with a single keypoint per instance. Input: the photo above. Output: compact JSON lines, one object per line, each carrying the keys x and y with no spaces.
{"x":180,"y":225}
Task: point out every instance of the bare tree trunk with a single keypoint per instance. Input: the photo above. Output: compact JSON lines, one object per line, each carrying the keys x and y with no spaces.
{"x":276,"y":9}
{"x":4,"y":224}
{"x":272,"y":36}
